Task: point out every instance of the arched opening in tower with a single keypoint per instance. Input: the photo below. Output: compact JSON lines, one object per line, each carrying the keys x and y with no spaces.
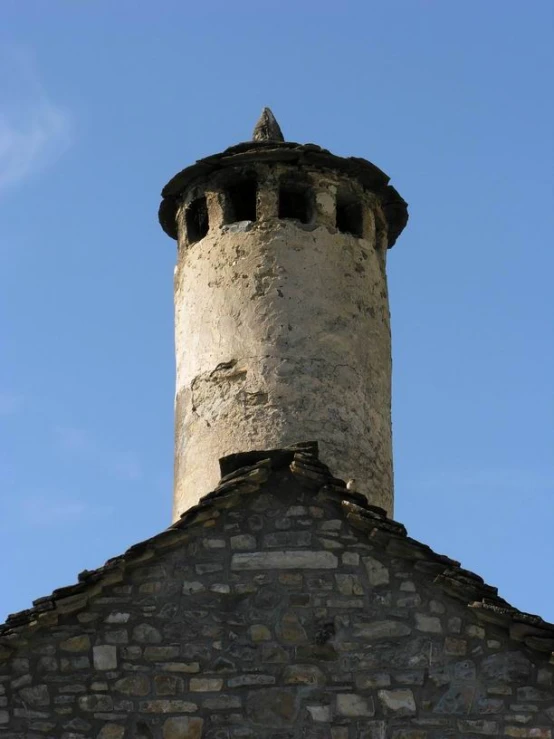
{"x":296,"y":202}
{"x":240,"y":201}
{"x":196,"y":218}
{"x":349,"y":215}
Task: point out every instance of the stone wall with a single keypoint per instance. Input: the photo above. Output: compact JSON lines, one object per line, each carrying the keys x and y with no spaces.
{"x":272,"y":619}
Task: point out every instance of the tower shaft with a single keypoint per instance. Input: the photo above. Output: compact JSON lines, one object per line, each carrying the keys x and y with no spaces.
{"x":282,"y":328}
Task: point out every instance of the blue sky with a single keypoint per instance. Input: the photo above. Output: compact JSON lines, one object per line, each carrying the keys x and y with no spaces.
{"x":103,"y":102}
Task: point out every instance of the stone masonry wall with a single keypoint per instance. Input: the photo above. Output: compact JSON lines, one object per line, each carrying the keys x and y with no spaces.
{"x":273,"y":620}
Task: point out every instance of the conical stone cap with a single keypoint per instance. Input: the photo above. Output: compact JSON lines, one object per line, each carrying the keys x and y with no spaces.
{"x":267,"y":128}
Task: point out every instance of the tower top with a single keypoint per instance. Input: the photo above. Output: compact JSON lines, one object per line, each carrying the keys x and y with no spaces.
{"x":267,"y":128}
{"x":268,"y":146}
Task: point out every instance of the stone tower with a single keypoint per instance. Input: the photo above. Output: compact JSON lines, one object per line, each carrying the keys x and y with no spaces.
{"x":281,"y":310}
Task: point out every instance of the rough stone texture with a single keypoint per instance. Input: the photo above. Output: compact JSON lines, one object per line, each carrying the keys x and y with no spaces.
{"x":282,"y":333}
{"x":277,"y":653}
{"x":267,"y":128}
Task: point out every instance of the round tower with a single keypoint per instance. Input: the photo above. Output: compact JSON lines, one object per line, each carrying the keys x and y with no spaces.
{"x":282,"y":327}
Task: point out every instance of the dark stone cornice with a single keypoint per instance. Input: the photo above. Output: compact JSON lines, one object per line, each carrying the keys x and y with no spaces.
{"x":365,"y":173}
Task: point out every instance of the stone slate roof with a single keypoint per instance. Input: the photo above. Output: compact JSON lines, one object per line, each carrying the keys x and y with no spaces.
{"x":367,"y":174}
{"x":245,"y":475}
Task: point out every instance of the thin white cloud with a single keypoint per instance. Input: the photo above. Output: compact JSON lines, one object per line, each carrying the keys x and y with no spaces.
{"x":34,"y":130}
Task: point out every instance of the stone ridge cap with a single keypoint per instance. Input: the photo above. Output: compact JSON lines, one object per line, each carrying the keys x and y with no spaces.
{"x":368,"y":175}
{"x":302,"y":462}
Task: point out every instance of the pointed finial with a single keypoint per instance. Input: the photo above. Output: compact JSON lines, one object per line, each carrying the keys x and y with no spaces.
{"x":267,"y":128}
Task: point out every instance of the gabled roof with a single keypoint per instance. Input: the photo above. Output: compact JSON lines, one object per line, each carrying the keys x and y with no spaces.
{"x":246,"y":475}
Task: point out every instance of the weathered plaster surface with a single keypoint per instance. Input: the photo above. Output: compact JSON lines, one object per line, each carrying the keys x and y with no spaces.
{"x":273,"y":620}
{"x":282,"y":333}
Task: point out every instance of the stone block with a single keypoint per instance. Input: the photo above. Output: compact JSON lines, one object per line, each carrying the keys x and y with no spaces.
{"x":146,"y":634}
{"x":213,"y":543}
{"x":304,"y":675}
{"x":250,"y":679}
{"x":375,"y":680}
{"x":481,"y":727}
{"x":428,"y":624}
{"x":47,"y":664}
{"x":397,"y":702}
{"x":377,"y":573}
{"x":76,"y":644}
{"x":168,"y":684}
{"x":117,"y":636}
{"x":221,"y":588}
{"x":167,"y":706}
{"x":477,"y":632}
{"x":506,"y":667}
{"x":133,"y":685}
{"x":117,"y":617}
{"x":192,"y":587}
{"x":20,"y":665}
{"x":349,"y":585}
{"x":205,"y":684}
{"x":75,"y":663}
{"x":382,"y":630}
{"x":286,"y":560}
{"x":95,"y":703}
{"x":78,"y":724}
{"x":291,"y":630}
{"x":320,"y":714}
{"x":187,"y":667}
{"x":111,"y":731}
{"x":131,"y":653}
{"x":104,"y":657}
{"x":374,"y":730}
{"x":529,"y":693}
{"x":455,"y":625}
{"x":183,"y":727}
{"x":457,"y":699}
{"x":259,"y":632}
{"x":222,"y":702}
{"x":242,"y":542}
{"x":288,"y":539}
{"x":454,"y":646}
{"x":351,"y":559}
{"x":272,"y":707}
{"x":157,"y":653}
{"x":35,"y":696}
{"x":435,"y":606}
{"x":353,"y":705}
